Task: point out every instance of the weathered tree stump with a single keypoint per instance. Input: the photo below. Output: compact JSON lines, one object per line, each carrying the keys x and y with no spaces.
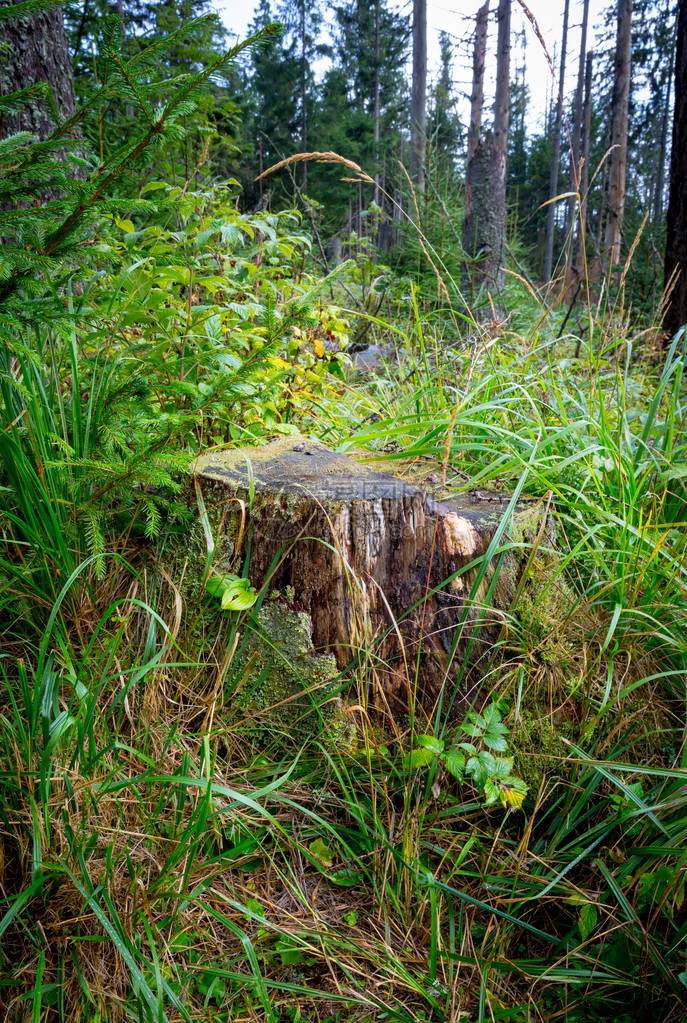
{"x":389,"y":575}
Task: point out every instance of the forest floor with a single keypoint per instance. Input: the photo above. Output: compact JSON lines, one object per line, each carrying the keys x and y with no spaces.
{"x":173,"y":844}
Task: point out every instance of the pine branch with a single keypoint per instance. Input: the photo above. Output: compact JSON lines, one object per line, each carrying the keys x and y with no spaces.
{"x":56,"y":239}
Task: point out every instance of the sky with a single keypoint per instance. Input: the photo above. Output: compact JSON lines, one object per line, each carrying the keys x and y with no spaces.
{"x":458,"y":19}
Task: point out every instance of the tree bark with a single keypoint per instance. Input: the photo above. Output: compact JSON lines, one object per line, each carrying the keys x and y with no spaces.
{"x":578,"y":118}
{"x":477,"y":95}
{"x":556,"y":152}
{"x":502,"y":98}
{"x":584,"y":165}
{"x":676,"y":221}
{"x":663,"y":139}
{"x":619,"y":114}
{"x":377,"y":98}
{"x":484,"y":226}
{"x":35,"y":50}
{"x":378,"y":564}
{"x":418,"y":112}
{"x":304,"y":92}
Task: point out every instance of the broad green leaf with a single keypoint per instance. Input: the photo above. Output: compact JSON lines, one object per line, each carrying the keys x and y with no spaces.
{"x":455,"y":764}
{"x":431,"y":742}
{"x":587,"y":920}
{"x":322,"y":852}
{"x":419,"y":757}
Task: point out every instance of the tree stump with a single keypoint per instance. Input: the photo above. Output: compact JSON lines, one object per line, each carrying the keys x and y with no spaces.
{"x":392,"y":578}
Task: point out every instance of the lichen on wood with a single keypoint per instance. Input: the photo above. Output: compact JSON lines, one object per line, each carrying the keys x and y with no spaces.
{"x":385,"y":571}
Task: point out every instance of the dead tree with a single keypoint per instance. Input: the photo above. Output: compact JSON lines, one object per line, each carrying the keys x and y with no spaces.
{"x":484,"y":227}
{"x":619,"y":117}
{"x":676,"y":221}
{"x":477,"y":96}
{"x":418,"y":111}
{"x":387,"y":570}
{"x":584,"y":164}
{"x":578,"y":118}
{"x":556,"y":153}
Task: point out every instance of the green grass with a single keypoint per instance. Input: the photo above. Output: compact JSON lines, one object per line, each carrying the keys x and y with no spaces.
{"x":164,"y":856}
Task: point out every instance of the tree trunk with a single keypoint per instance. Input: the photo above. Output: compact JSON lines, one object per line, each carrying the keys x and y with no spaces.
{"x":418,"y":111}
{"x":377,"y":101}
{"x":663,"y":138}
{"x":577,"y":131}
{"x":477,"y":96}
{"x":619,"y":115}
{"x":378,"y":564}
{"x":35,"y":50}
{"x":556,"y":153}
{"x":584,"y":164}
{"x":304,"y":93}
{"x":676,"y":221}
{"x":484,"y":227}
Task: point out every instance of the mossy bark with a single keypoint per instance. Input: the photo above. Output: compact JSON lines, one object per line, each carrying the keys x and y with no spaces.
{"x":384,"y":571}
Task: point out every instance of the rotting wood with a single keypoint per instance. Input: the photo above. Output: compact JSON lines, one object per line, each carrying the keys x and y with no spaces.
{"x":387,"y":572}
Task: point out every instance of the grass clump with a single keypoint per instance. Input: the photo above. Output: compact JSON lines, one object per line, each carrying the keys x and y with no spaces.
{"x":188,"y":828}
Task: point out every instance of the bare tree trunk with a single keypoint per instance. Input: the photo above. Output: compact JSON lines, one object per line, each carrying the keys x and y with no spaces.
{"x":676,"y":221}
{"x":304,"y":96}
{"x":663,"y":143}
{"x":35,"y":50}
{"x":502,"y":98}
{"x":501,"y":112}
{"x":418,"y":112}
{"x":477,"y":96}
{"x":577,"y":127}
{"x":556,"y":152}
{"x":377,"y":101}
{"x":584,"y":163}
{"x":619,"y":114}
{"x":484,"y":227}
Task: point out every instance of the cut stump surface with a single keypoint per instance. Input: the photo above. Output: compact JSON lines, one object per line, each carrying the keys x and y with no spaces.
{"x":389,"y":575}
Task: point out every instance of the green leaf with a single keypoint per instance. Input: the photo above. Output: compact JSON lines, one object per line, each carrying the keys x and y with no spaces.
{"x":492,"y":793}
{"x":239,"y":600}
{"x":322,"y":852}
{"x":455,"y":764}
{"x":491,"y":715}
{"x":430,"y":742}
{"x":495,"y":742}
{"x":419,"y":757}
{"x":502,"y":766}
{"x":289,"y":953}
{"x":587,"y":920}
{"x":488,"y":761}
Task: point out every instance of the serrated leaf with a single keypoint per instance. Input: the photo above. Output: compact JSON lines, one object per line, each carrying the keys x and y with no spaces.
{"x":419,"y":757}
{"x":491,"y":715}
{"x":454,"y":762}
{"x":468,"y":747}
{"x":430,"y":742}
{"x":502,"y":767}
{"x":492,"y":793}
{"x":487,"y":760}
{"x":495,"y":742}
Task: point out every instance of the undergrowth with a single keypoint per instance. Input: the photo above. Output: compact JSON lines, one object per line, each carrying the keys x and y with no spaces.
{"x":167,"y":852}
